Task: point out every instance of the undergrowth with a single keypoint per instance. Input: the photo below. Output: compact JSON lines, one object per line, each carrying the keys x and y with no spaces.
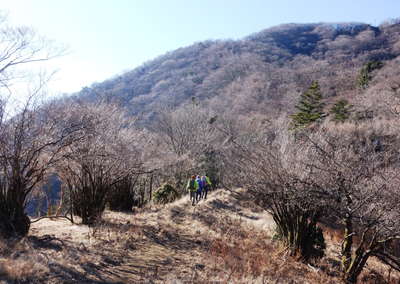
{"x":250,"y":255}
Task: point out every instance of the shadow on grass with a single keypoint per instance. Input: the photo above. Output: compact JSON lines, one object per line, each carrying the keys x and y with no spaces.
{"x":218,"y":204}
{"x":66,"y":262}
{"x":177,"y":215}
{"x":91,"y":274}
{"x":173,"y":240}
{"x":46,"y":242}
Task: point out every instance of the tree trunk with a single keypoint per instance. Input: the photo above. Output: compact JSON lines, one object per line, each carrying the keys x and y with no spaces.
{"x":357,"y":265}
{"x":347,"y":244}
{"x":14,"y":224}
{"x":13,"y":220}
{"x":151,"y":187}
{"x":352,"y":264}
{"x":298,"y":231}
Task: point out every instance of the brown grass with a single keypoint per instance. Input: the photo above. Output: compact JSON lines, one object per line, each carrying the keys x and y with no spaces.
{"x":23,"y":269}
{"x":246,"y":254}
{"x":223,"y":239}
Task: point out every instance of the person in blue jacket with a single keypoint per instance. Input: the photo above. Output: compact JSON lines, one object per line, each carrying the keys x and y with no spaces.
{"x":199,"y":189}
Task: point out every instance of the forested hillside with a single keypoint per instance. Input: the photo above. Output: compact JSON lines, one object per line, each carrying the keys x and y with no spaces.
{"x":298,"y":123}
{"x":262,"y":73}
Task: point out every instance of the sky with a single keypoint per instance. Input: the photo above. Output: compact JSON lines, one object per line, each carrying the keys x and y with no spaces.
{"x":108,"y":37}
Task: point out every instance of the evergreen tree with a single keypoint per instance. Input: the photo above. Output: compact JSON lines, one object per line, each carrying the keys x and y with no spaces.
{"x":310,"y":107}
{"x":341,"y":110}
{"x":365,"y":76}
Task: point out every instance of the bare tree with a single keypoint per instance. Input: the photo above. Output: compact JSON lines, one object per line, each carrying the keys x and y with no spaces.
{"x":105,"y":157}
{"x":343,"y":176}
{"x":185,"y":130}
{"x":186,"y":135}
{"x":20,"y":46}
{"x":30,"y":144}
{"x":276,"y":180}
{"x":359,"y":178}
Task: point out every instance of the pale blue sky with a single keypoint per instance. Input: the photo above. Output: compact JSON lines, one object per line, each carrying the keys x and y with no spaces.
{"x":107,"y":37}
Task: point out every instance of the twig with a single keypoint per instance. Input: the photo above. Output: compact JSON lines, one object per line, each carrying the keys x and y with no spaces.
{"x":51,"y":217}
{"x":316,"y":270}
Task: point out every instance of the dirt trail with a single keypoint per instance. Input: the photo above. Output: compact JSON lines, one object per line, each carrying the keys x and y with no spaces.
{"x":160,"y":243}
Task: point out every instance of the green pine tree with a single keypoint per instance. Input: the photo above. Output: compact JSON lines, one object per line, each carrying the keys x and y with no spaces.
{"x":363,"y":78}
{"x":310,"y":107}
{"x":365,"y":75}
{"x":341,"y":110}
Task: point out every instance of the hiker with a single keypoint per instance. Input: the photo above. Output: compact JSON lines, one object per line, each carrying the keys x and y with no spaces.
{"x":206,"y":186}
{"x":211,"y":186}
{"x":192,"y":187}
{"x":199,"y":189}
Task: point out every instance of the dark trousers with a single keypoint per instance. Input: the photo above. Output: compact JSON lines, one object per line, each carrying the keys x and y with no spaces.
{"x":205,"y":191}
{"x":198,"y":194}
{"x":193,"y":195}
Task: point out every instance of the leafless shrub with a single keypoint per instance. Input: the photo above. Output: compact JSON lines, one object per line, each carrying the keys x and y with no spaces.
{"x":357,"y":176}
{"x":185,"y":135}
{"x":272,"y":177}
{"x":105,"y":156}
{"x":123,"y":194}
{"x":342,"y":175}
{"x":31,"y":143}
{"x":248,"y":255}
{"x":31,"y":135}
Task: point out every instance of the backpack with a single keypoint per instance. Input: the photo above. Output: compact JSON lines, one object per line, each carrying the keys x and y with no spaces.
{"x":200,"y":183}
{"x":192,"y":184}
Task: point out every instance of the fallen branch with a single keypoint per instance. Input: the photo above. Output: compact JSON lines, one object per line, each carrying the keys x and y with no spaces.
{"x":390,"y":260}
{"x":51,"y":217}
{"x":316,"y":270}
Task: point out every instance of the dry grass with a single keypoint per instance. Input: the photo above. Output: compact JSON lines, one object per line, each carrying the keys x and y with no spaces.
{"x":23,"y":269}
{"x":244,"y":254}
{"x":376,"y":272}
{"x":223,"y":239}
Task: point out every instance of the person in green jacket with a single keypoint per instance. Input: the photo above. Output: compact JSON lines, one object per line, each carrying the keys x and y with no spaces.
{"x":192,"y":187}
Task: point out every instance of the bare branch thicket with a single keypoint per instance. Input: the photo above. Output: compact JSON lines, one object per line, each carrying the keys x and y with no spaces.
{"x":271,"y":176}
{"x":185,"y":136}
{"x":20,"y":46}
{"x":344,"y":176}
{"x":30,"y":145}
{"x":186,"y":130}
{"x":31,"y":135}
{"x":359,"y":178}
{"x":105,"y":157}
{"x":349,"y":175}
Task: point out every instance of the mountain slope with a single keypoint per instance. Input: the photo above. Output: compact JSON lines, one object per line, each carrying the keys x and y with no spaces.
{"x":262,"y":73}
